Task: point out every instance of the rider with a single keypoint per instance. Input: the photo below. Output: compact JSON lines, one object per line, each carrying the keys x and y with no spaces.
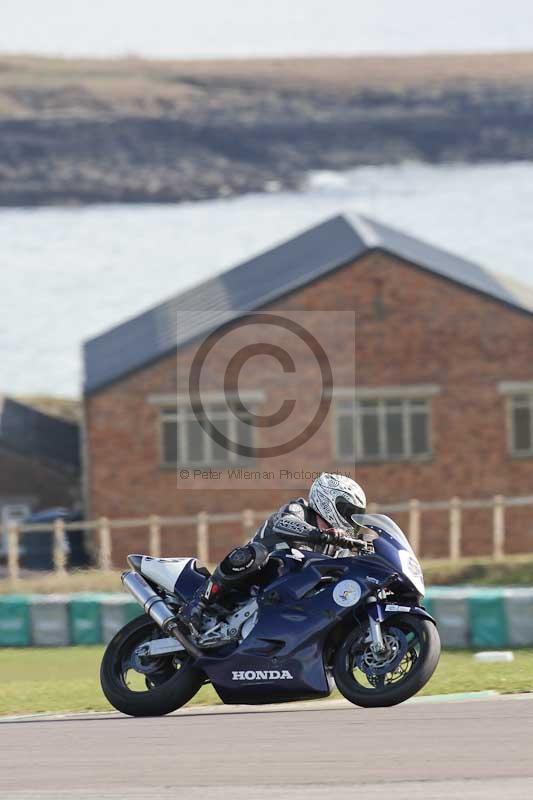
{"x":319,"y":523}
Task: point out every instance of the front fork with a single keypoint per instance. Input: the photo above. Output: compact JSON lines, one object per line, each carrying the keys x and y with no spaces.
{"x":375,"y":618}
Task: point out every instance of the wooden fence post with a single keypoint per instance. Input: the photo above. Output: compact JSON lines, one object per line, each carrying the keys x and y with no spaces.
{"x":104,"y":549}
{"x":13,"y":565}
{"x":155,"y":536}
{"x":414,"y":525}
{"x":202,"y":537}
{"x":455,"y":528}
{"x":248,"y":518}
{"x":498,"y":527}
{"x":60,"y":547}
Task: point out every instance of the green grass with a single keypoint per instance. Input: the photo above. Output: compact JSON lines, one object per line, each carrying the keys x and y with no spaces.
{"x":66,"y":679}
{"x":56,"y":679}
{"x":511,"y":571}
{"x":82,"y":580}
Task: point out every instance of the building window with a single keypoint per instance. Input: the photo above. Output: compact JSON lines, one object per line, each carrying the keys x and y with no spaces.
{"x":521,"y":416}
{"x":383,"y":429}
{"x":184,"y":440}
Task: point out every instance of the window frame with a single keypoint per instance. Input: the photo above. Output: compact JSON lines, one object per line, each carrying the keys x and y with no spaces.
{"x":511,"y":389}
{"x":181,"y":413}
{"x":403,"y":400}
{"x":512,"y":406}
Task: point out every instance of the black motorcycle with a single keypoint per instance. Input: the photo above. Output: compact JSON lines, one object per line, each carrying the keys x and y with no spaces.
{"x":353,"y":621}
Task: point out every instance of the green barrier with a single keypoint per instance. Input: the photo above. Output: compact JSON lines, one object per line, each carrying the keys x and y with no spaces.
{"x":117,"y":609}
{"x":488,"y":619}
{"x":85,"y":619}
{"x":450,"y":609}
{"x":132,"y":610}
{"x":519,"y":613}
{"x":428,"y":605}
{"x":466,"y":617}
{"x":49,"y":620}
{"x":14,"y":621}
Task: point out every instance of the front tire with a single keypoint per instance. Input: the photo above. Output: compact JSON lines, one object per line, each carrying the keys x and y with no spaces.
{"x":374,"y":681}
{"x":152,"y":690}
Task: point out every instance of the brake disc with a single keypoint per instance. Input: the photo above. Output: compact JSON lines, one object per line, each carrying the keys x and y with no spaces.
{"x":378,"y":664}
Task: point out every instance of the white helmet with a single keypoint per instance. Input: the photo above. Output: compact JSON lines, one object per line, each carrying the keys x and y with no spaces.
{"x":336,"y":498}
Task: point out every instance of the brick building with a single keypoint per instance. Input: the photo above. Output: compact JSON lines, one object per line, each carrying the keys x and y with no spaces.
{"x":441,"y":405}
{"x":39,"y":462}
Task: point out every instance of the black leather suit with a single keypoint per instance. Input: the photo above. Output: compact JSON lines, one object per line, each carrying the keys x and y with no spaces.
{"x":294,"y":525}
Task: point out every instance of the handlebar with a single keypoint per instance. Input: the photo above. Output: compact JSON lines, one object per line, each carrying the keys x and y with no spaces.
{"x":351,"y":543}
{"x":342,"y":541}
{"x":331,"y":538}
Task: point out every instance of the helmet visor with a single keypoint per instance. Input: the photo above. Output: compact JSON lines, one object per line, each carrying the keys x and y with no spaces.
{"x":347,"y":510}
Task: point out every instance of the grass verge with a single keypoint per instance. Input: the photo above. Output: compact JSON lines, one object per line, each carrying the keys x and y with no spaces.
{"x":83,"y":580}
{"x":511,"y":571}
{"x":66,"y":679}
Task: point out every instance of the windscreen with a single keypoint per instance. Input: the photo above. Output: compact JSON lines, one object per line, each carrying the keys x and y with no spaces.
{"x":379,"y":523}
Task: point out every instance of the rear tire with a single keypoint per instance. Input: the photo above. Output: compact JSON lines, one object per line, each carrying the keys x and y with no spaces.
{"x":167,"y":689}
{"x":421,"y":664}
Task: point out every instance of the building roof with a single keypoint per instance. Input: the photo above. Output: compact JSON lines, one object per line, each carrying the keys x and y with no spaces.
{"x":31,"y":433}
{"x":265,"y":278}
{"x":522,"y":292}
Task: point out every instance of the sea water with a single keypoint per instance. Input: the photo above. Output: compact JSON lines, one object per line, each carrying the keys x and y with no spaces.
{"x":67,"y":274}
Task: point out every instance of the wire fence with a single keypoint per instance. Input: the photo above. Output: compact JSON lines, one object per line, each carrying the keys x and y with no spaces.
{"x":104,"y":532}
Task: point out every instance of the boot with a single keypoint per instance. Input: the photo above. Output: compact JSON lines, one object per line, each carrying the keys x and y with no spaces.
{"x":191,"y":613}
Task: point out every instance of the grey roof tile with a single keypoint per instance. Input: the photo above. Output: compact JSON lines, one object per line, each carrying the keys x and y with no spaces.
{"x":261,"y":280}
{"x":522,"y":292}
{"x":31,"y":433}
{"x":436,"y":260}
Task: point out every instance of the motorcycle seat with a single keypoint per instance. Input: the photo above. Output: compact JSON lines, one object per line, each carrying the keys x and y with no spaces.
{"x":163,"y":571}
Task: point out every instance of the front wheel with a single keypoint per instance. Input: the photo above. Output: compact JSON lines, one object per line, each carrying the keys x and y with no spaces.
{"x":371,"y":679}
{"x":146,"y":687}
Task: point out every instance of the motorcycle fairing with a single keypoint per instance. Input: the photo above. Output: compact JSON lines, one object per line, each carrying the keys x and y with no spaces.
{"x":392,"y":608}
{"x":190,"y":579}
{"x":296,"y":614}
{"x":181,"y":576}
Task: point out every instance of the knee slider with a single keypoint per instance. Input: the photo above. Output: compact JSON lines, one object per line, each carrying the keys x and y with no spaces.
{"x":243,"y":561}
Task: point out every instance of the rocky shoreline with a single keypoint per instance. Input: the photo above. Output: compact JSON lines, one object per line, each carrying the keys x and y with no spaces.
{"x":93,"y":132}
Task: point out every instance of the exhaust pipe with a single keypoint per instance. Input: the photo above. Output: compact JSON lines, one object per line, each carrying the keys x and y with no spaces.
{"x":157,"y":609}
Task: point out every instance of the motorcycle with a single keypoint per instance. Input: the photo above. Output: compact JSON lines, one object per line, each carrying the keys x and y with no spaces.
{"x":309,"y":623}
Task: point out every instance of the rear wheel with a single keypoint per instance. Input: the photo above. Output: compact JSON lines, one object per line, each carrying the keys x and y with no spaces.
{"x":371,"y":679}
{"x":146,"y":687}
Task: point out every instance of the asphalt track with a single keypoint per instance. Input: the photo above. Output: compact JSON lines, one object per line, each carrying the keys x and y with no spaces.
{"x":470,"y":750}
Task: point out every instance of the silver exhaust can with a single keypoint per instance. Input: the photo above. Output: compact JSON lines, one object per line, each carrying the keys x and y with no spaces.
{"x":148,"y":599}
{"x":157,"y":610}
